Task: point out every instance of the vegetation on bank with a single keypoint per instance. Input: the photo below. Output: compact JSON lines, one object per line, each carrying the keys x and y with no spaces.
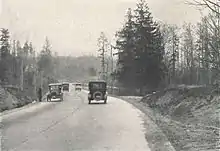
{"x":189,"y":116}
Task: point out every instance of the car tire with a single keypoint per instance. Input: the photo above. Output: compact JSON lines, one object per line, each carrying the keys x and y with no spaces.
{"x":105,"y":101}
{"x":89,"y":101}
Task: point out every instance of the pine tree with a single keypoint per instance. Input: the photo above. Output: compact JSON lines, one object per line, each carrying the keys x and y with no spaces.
{"x":19,"y":49}
{"x":149,"y":48}
{"x":5,"y":46}
{"x":126,"y":44}
{"x":5,"y":64}
{"x":26,"y":49}
{"x":45,"y":61}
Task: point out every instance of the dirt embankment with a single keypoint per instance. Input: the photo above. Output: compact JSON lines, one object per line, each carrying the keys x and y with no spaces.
{"x":188,"y":116}
{"x":12,"y":99}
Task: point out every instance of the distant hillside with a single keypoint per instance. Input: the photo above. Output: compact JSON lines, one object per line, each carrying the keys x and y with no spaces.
{"x":76,"y":68}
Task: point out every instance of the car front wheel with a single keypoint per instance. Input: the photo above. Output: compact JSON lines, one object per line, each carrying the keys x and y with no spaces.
{"x":89,"y":101}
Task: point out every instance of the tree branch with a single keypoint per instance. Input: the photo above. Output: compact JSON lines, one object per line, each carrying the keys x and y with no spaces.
{"x":210,"y":4}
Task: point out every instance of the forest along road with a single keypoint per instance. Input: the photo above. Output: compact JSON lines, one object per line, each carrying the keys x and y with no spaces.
{"x":74,"y":125}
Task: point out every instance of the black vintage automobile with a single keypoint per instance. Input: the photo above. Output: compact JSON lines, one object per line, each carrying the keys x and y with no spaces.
{"x":97,"y":91}
{"x":78,"y":86}
{"x":55,"y":91}
{"x":65,"y":86}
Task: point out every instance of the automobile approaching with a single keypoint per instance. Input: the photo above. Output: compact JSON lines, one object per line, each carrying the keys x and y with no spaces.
{"x":55,"y":91}
{"x":65,"y":86}
{"x":78,"y":86}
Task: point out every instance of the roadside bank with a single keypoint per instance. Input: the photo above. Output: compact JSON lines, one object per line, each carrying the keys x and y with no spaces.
{"x":189,"y":117}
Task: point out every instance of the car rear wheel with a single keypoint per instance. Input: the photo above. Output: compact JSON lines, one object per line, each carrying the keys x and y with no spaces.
{"x":105,"y":101}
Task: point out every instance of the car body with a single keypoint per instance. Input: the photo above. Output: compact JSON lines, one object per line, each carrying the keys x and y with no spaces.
{"x":78,"y":86}
{"x":97,"y":91}
{"x":65,"y":86}
{"x":55,"y":91}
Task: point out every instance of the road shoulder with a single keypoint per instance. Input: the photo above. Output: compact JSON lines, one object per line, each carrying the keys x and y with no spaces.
{"x":156,"y":139}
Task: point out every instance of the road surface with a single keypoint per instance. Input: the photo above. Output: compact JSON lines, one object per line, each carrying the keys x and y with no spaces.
{"x":73,"y":125}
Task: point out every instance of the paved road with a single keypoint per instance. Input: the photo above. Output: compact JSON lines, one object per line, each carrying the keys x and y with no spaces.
{"x":73,"y":125}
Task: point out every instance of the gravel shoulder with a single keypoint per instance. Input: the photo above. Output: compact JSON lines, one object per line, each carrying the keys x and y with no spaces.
{"x":155,"y":137}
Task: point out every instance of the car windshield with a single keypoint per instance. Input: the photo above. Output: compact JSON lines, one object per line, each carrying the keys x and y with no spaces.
{"x":54,"y":87}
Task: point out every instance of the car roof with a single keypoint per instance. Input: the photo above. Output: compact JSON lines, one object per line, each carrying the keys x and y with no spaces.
{"x":65,"y":83}
{"x":54,"y":84}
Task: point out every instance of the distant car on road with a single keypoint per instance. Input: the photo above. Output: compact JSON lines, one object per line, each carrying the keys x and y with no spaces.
{"x":55,"y":91}
{"x":78,"y":86}
{"x":65,"y":86}
{"x":97,"y":91}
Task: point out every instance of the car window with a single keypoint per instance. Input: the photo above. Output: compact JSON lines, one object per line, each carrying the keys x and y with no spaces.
{"x":97,"y":86}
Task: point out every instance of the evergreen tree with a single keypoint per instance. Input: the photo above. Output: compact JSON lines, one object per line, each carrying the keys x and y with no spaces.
{"x":45,"y":61}
{"x":19,"y":49}
{"x":5,"y":64}
{"x":31,"y":50}
{"x":26,"y":49}
{"x":149,"y":48}
{"x":126,"y":45}
{"x":5,"y":46}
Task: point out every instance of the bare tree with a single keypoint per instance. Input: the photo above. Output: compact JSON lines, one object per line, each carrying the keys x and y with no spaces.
{"x":188,"y":50}
{"x":171,"y":44}
{"x":103,"y":44}
{"x":210,"y":4}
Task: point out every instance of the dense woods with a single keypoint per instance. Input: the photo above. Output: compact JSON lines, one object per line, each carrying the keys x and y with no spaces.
{"x":25,"y":69}
{"x":154,"y":55}
{"x":151,"y":55}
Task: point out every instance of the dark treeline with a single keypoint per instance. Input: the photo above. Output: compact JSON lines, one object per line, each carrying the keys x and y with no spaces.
{"x":154,"y":55}
{"x":21,"y":68}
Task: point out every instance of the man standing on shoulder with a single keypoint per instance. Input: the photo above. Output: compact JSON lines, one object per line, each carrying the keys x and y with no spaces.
{"x":40,"y":94}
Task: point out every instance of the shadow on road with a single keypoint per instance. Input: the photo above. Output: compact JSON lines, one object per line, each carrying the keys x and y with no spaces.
{"x":97,"y":103}
{"x":54,"y":101}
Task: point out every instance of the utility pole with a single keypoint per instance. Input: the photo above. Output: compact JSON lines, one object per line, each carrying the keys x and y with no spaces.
{"x":112,"y":68}
{"x":41,"y":79}
{"x":103,"y":61}
{"x":106,"y":72}
{"x":35,"y":76}
{"x":22,"y":76}
{"x":14,"y":64}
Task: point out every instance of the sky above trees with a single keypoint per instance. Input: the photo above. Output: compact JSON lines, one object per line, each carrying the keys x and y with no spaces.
{"x":73,"y":26}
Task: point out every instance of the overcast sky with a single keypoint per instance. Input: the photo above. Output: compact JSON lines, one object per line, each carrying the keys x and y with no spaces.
{"x":73,"y":26}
